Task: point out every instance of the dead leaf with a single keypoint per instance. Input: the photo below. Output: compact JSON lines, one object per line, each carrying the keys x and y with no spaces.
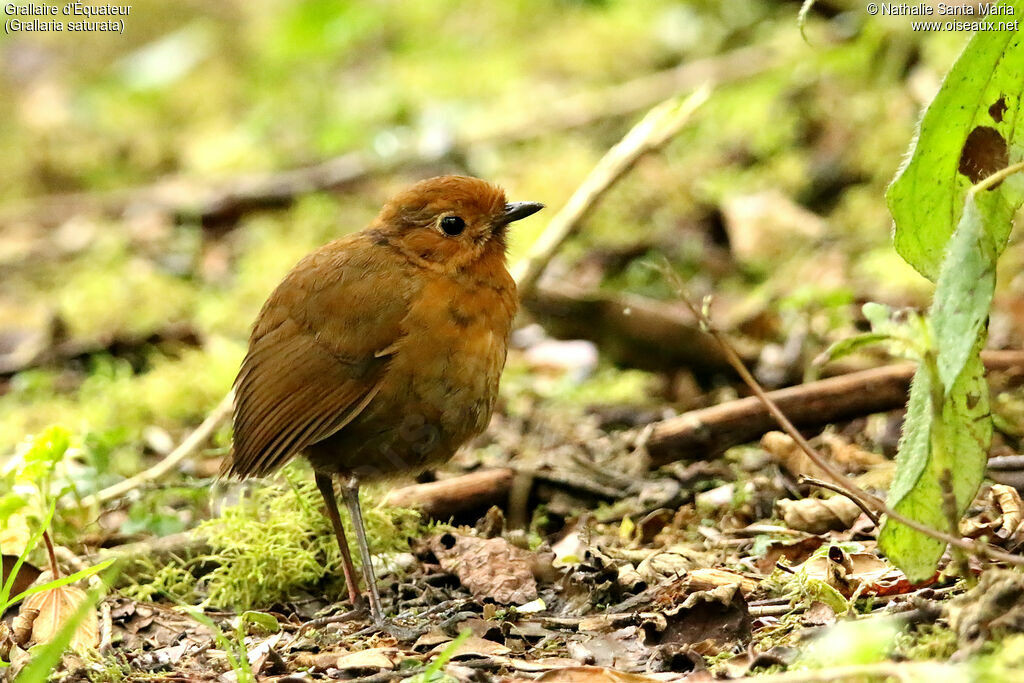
{"x":767,"y":224}
{"x":27,"y":574}
{"x":372,"y":659}
{"x":490,"y":568}
{"x":55,"y":606}
{"x":708,"y":621}
{"x":7,"y":641}
{"x":710,"y":578}
{"x":593,"y":674}
{"x":818,"y":515}
{"x":794,"y":552}
{"x":474,"y":646}
{"x":21,"y":625}
{"x":994,"y":606}
{"x":850,"y":572}
{"x":818,"y":614}
{"x":1001,"y":517}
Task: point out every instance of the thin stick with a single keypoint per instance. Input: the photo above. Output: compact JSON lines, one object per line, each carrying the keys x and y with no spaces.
{"x":804,"y":479}
{"x":652,"y":132}
{"x":54,"y":569}
{"x":978,"y":549}
{"x":187,"y":447}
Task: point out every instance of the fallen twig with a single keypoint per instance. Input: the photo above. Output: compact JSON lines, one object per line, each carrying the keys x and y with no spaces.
{"x":629,"y":329}
{"x":843,"y":492}
{"x":191,"y":443}
{"x":652,"y":132}
{"x":442,"y":499}
{"x":706,"y":432}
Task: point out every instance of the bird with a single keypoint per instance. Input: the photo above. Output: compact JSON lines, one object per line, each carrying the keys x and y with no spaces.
{"x":380,"y":353}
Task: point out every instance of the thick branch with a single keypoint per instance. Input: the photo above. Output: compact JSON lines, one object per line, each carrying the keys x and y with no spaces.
{"x":702,"y":434}
{"x":442,"y":499}
{"x":629,"y":329}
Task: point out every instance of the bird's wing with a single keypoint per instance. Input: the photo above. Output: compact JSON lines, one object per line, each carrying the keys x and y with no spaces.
{"x":318,"y":353}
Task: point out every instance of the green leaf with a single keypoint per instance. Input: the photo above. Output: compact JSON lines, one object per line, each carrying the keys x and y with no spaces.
{"x":63,"y":581}
{"x":963,"y":294}
{"x":956,"y":438}
{"x":974,"y":126}
{"x":264,"y":623}
{"x":844,"y":347}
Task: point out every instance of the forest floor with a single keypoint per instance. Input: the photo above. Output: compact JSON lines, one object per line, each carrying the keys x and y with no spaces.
{"x":632,"y":512}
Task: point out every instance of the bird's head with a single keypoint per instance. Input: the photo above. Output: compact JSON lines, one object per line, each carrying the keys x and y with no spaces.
{"x":450,"y":222}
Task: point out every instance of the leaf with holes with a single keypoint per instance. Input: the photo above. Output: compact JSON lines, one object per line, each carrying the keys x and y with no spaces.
{"x":973,"y":127}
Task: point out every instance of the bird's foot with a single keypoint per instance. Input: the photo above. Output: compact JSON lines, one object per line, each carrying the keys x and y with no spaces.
{"x":359,"y":612}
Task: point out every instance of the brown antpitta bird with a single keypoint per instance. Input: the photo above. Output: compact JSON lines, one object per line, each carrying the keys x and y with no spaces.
{"x":380,"y":353}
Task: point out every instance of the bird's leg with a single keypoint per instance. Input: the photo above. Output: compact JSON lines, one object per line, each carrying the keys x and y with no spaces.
{"x":326,"y":486}
{"x":350,"y":492}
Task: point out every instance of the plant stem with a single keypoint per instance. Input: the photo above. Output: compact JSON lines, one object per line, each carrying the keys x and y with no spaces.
{"x":54,"y":569}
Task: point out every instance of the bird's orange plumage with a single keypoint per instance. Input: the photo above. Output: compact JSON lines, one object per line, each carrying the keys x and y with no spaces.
{"x":380,"y":352}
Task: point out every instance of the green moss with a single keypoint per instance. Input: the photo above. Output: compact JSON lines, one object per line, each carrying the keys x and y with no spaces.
{"x":274,"y":544}
{"x":927,"y":641}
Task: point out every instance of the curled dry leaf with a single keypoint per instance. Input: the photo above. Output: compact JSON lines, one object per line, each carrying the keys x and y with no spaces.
{"x":1000,"y":519}
{"x":848,"y":456}
{"x":7,"y":641}
{"x":849,"y":573}
{"x":490,"y":568}
{"x":54,"y":607}
{"x":21,"y":626}
{"x":995,"y":605}
{"x":593,"y":674}
{"x":709,"y":621}
{"x":818,"y":515}
{"x":371,"y":659}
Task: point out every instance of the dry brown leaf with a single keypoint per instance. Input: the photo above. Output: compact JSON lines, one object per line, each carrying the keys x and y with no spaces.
{"x":848,"y":572}
{"x":786,"y":453}
{"x":490,"y":568}
{"x":709,"y":622}
{"x":476,"y":646}
{"x":794,"y":552}
{"x":7,"y":640}
{"x":850,"y":457}
{"x":21,"y":626}
{"x":818,"y":515}
{"x":55,"y":606}
{"x":767,"y":224}
{"x":374,"y":658}
{"x":1001,"y":518}
{"x":710,"y":578}
{"x":593,"y":674}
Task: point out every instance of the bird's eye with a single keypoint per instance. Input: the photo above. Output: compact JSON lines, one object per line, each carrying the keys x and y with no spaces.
{"x":453,"y":225}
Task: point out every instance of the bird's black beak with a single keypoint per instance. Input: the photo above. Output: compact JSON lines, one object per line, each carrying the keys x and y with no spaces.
{"x":515,"y":211}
